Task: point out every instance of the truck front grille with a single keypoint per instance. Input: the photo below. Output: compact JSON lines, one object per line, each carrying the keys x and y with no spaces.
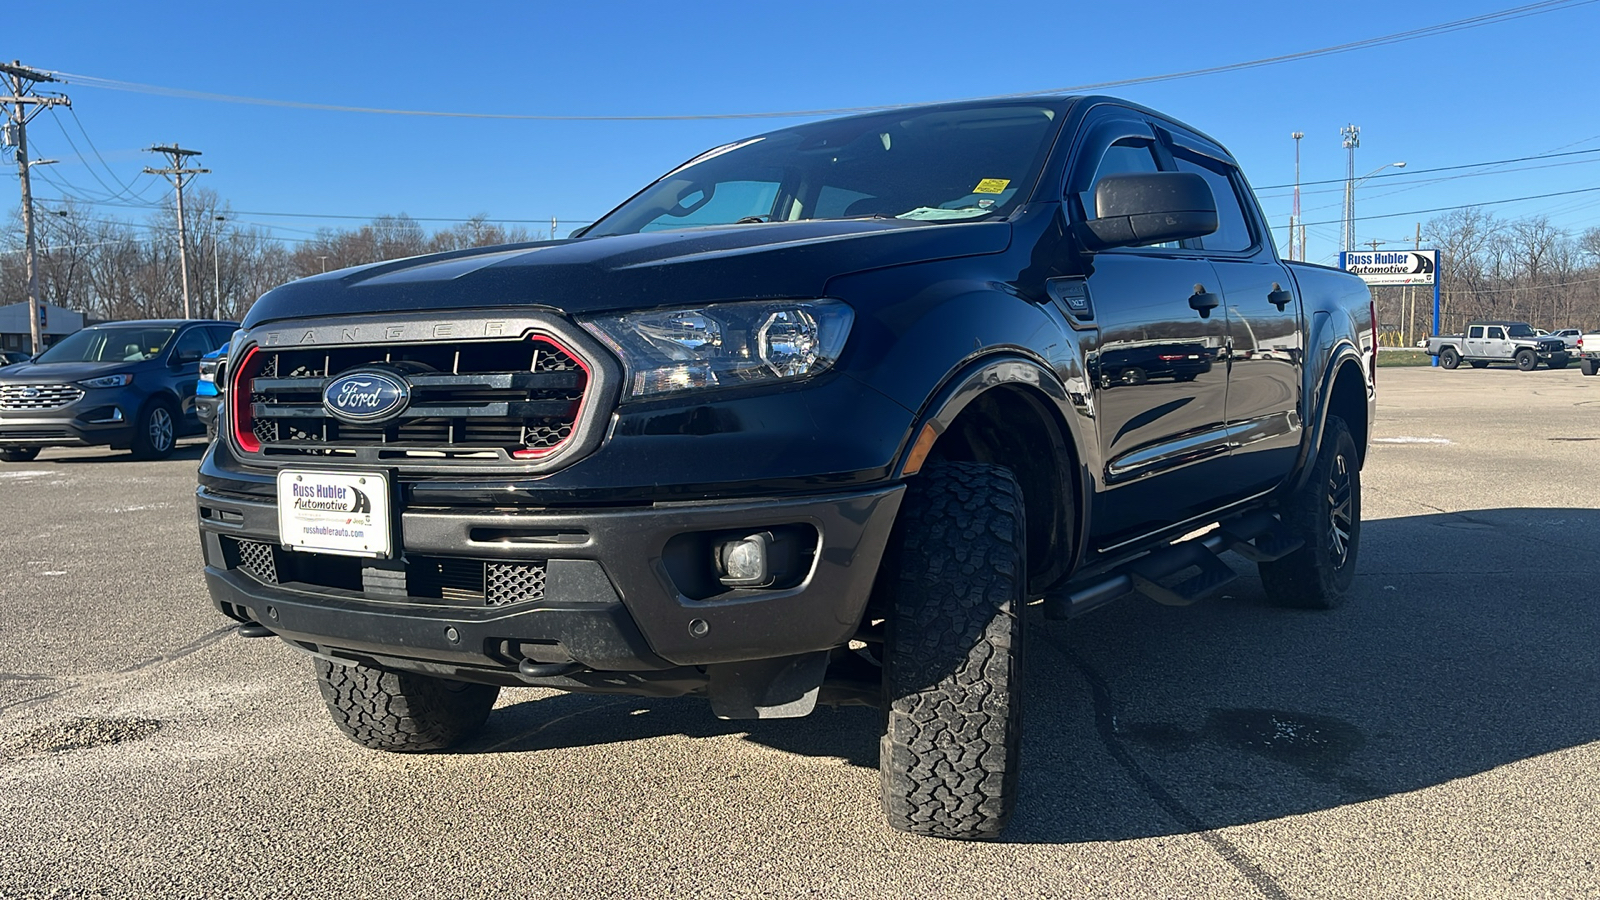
{"x":36,"y":397}
{"x":521,"y":398}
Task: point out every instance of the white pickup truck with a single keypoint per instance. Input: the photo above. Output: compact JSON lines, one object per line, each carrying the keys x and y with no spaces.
{"x":1588,"y":353}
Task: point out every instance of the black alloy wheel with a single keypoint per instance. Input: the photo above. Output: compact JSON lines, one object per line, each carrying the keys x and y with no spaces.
{"x":1325,"y":515}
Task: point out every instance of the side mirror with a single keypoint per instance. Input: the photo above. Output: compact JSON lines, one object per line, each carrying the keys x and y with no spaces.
{"x":1154,"y":208}
{"x":184,"y":357}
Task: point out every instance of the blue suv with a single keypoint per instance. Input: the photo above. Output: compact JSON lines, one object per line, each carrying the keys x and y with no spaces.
{"x":129,"y":385}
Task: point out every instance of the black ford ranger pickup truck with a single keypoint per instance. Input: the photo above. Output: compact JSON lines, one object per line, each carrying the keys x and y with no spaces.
{"x":810,"y":419}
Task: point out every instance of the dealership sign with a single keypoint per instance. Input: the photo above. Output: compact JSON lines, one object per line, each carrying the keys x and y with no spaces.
{"x":1391,"y":266}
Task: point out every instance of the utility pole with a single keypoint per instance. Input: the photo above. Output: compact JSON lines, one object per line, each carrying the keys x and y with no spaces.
{"x":178,"y":174}
{"x":216,"y":265}
{"x":1352,"y":140}
{"x":1294,"y":216}
{"x":1374,"y":244}
{"x":20,"y":79}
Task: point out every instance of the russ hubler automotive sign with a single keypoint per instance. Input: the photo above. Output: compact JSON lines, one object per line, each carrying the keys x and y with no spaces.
{"x":1391,"y":266}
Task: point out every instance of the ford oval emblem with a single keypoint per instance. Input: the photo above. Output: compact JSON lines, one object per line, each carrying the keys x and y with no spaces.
{"x":366,"y":397}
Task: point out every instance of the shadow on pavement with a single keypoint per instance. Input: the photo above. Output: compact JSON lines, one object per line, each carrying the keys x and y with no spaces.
{"x":1467,"y":644}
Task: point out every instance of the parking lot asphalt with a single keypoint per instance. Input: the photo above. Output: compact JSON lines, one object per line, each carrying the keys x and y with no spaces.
{"x":1438,"y":736}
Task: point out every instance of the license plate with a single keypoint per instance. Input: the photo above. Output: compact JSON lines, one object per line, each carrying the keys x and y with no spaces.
{"x":335,"y":512}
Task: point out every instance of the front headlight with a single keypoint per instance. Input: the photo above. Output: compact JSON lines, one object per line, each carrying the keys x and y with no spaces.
{"x":107,"y":381}
{"x":725,"y":344}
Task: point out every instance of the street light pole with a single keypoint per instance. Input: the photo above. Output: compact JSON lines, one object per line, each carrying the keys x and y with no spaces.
{"x":1294,"y":214}
{"x":1350,"y":201}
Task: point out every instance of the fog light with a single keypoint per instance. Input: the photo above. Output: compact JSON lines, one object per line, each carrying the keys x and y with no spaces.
{"x":743,"y":562}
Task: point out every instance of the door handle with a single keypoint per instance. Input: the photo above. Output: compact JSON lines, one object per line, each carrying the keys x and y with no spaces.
{"x":1279,"y":297}
{"x":1203,"y":302}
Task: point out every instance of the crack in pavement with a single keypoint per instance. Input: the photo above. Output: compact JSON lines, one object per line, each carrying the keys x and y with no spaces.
{"x":193,"y":646}
{"x":1105,"y":724}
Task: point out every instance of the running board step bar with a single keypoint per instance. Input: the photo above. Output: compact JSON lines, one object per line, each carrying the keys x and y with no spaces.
{"x":1253,"y":536}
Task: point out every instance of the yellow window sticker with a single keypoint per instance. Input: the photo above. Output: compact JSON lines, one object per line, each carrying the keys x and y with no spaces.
{"x":991,"y":186}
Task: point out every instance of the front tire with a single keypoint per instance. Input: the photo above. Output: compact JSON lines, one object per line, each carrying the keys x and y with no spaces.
{"x":1527,"y":360}
{"x":402,"y":712}
{"x":19,"y":454}
{"x":952,"y":672}
{"x":156,"y":434}
{"x":1449,"y":358}
{"x":1326,"y":515}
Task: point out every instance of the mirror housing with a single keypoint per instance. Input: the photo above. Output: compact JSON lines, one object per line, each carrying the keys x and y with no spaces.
{"x":184,"y":357}
{"x":1153,"y":208}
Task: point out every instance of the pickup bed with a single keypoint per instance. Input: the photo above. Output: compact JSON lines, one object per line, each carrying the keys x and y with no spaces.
{"x":1588,"y":351}
{"x":813,"y":418}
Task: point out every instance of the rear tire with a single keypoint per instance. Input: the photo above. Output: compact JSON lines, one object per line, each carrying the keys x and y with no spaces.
{"x":953,"y":593}
{"x":1326,"y":515}
{"x":1527,"y":360}
{"x":402,"y":712}
{"x":1589,"y":366}
{"x":1449,"y":358}
{"x":19,"y":454}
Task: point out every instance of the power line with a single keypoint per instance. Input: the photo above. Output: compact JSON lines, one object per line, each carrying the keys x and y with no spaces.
{"x":1414,"y":172}
{"x":295,"y":215}
{"x":1504,"y":15}
{"x":1437,"y":209}
{"x":127,"y":186}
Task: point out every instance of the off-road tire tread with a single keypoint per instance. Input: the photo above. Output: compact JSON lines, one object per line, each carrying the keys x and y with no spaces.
{"x":949,"y":757}
{"x":1522,"y":358}
{"x":402,"y":712}
{"x":1307,"y":578}
{"x":1449,"y":357}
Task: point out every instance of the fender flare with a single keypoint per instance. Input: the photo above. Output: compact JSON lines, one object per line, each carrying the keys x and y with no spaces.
{"x":977,"y":377}
{"x":1345,"y":353}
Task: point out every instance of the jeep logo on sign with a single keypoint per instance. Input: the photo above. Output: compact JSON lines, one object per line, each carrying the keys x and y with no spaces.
{"x":366,"y":397}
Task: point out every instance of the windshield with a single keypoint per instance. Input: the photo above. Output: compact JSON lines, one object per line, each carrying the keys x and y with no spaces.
{"x":1520,"y":330}
{"x":931,"y":165}
{"x":126,"y":344}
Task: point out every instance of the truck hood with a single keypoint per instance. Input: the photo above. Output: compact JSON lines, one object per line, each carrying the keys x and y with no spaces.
{"x":694,"y":266}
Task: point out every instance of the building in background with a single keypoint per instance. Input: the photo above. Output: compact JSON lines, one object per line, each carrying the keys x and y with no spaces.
{"x":16,"y":335}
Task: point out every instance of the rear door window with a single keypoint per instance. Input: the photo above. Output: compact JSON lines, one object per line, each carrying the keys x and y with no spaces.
{"x":1233,"y":227}
{"x":195,"y":341}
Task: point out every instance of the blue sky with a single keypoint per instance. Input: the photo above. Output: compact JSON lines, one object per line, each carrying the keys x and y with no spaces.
{"x":1516,"y":88}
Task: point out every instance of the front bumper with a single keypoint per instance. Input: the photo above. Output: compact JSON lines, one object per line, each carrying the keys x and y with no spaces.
{"x":77,"y":425}
{"x":625,"y":589}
